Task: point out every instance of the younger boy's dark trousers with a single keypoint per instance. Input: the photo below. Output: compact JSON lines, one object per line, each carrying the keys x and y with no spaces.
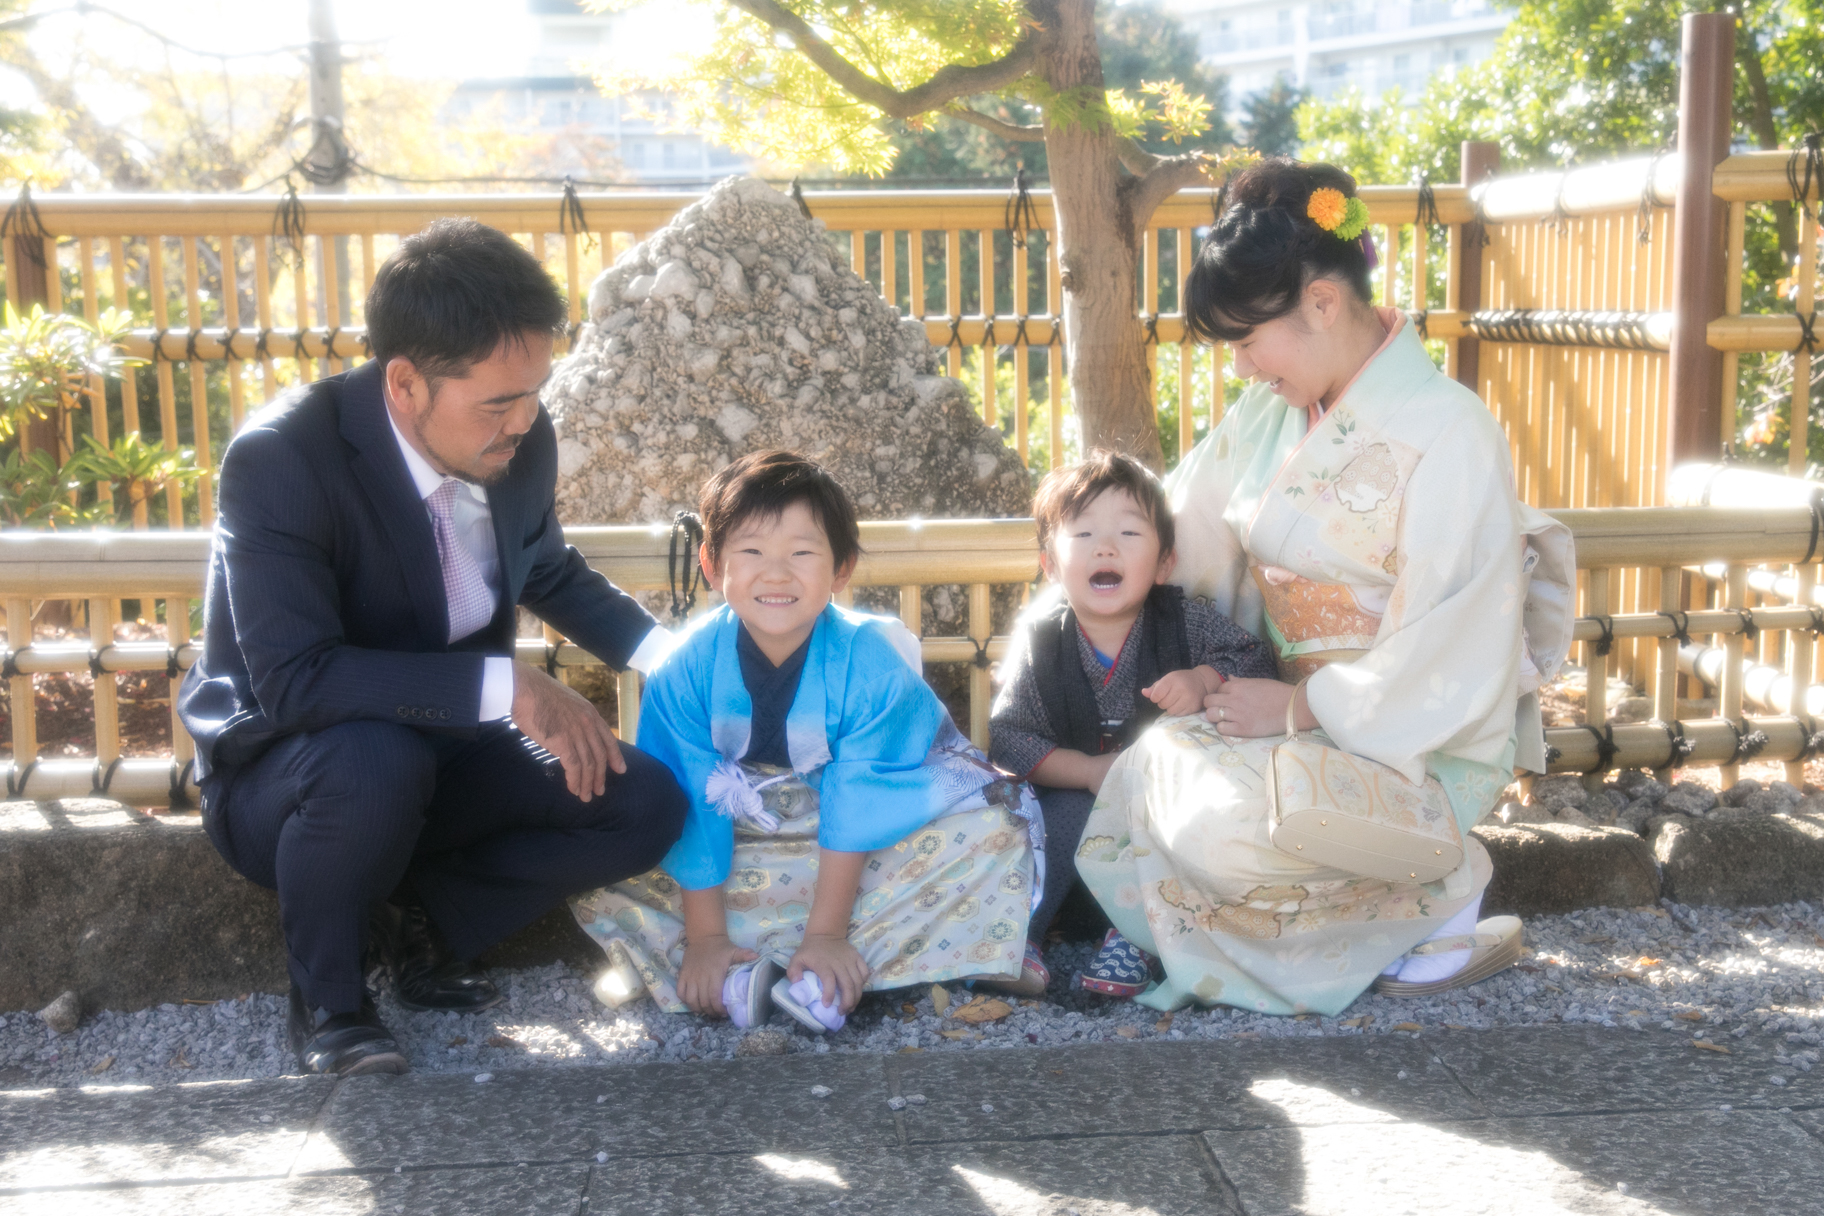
{"x":1066,"y":813}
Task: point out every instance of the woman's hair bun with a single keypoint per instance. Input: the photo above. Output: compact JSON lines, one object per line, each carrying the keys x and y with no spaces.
{"x":1265,"y":248}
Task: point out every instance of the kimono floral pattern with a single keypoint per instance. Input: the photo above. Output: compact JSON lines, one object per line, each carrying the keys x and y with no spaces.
{"x":950,"y":901}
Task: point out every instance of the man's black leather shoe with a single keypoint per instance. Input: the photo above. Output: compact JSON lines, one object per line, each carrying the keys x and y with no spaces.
{"x":341,"y":1044}
{"x":425,"y":976}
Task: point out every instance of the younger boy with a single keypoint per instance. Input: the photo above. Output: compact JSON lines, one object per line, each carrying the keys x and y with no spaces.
{"x":1093,"y":663}
{"x":839,"y":825}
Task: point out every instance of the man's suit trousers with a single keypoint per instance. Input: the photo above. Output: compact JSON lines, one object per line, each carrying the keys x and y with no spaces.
{"x":485,"y":831}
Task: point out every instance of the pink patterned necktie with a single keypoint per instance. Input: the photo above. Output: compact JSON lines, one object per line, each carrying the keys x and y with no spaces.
{"x":471,"y":604}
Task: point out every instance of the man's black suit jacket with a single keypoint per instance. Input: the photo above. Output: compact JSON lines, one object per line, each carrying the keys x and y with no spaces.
{"x":325,"y":599}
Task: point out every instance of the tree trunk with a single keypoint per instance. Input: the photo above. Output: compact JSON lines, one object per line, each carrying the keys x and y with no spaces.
{"x":1098,"y":251}
{"x":1760,"y":121}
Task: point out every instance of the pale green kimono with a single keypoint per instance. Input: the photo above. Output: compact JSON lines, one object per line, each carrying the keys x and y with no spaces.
{"x":1383,"y":549}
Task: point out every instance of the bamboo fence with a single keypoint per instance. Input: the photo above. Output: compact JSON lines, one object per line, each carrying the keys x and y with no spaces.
{"x":1661,"y":542}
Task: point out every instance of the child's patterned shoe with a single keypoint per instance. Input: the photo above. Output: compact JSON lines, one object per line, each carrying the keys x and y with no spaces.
{"x":1033,"y":979}
{"x":1120,"y":968}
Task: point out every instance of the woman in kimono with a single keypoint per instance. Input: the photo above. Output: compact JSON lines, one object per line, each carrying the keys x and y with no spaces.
{"x":841,"y":829}
{"x":1355,"y":509}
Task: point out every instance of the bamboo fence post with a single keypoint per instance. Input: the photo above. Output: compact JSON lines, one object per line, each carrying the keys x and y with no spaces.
{"x":1734,"y":239}
{"x":980,"y":689}
{"x":24,"y":709}
{"x":231,"y":320}
{"x":1187,"y":355}
{"x":1149,"y":307}
{"x":889,"y":268}
{"x":912,"y":608}
{"x":199,"y":379}
{"x":1798,"y":665}
{"x":1806,"y":306}
{"x":858,"y":252}
{"x":1596,"y":667}
{"x":991,"y":410}
{"x":1729,"y":690}
{"x":953,"y":294}
{"x":1705,"y":121}
{"x":1479,"y":160}
{"x":1390,"y":268}
{"x":262,"y":306}
{"x":1022,"y":353}
{"x":1054,"y":352}
{"x":915,"y":273}
{"x":300,"y":288}
{"x":627,"y":698}
{"x":177,"y":635}
{"x":1665,"y":689}
{"x":167,"y":386}
{"x":329,"y":288}
{"x":98,"y":387}
{"x":107,"y":684}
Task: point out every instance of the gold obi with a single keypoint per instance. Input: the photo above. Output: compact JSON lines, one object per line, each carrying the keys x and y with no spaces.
{"x":1313,"y":624}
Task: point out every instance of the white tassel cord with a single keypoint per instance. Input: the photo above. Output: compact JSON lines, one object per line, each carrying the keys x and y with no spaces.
{"x":728,"y":791}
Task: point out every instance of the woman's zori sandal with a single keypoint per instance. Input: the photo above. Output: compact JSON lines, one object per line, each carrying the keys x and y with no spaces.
{"x":1493,"y":948}
{"x":1120,"y":968}
{"x":1033,"y":979}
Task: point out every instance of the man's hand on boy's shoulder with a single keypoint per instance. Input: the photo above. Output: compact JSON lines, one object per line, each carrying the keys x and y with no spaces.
{"x":1182,"y":692}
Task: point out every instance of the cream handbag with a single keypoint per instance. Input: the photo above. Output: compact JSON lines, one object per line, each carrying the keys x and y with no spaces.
{"x":1334,"y":809}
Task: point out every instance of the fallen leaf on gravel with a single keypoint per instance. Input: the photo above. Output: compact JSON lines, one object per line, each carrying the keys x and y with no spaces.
{"x":1246,"y":1034}
{"x":908,"y":1007}
{"x":501,"y":1040}
{"x":940,"y":999}
{"x":1454,"y":1026}
{"x":1414,"y":1027}
{"x":182,"y":1058}
{"x":1690,"y":1015}
{"x":1646,"y":961}
{"x":1367,"y":1019}
{"x":1127,"y":1032}
{"x":107,"y":1062}
{"x":983,"y":1009}
{"x":1163,"y":1024}
{"x":1716,"y":1047}
{"x":190,"y":1000}
{"x":959,"y":1034}
{"x":460,"y":1040}
{"x":906,"y":1051}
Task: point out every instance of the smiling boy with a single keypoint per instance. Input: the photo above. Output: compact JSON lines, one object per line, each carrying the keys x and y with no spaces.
{"x":1110,"y":649}
{"x":840,"y":826}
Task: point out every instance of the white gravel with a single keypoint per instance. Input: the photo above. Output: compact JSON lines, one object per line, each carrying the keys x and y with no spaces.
{"x":1697,"y":972}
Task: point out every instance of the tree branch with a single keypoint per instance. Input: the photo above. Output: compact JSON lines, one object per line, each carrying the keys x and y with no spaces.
{"x":1169,"y":175}
{"x":948,"y":83}
{"x":1006,"y":130}
{"x":1135,"y":159}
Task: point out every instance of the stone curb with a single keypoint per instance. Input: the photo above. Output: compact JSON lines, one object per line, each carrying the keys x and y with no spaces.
{"x":130,"y":910}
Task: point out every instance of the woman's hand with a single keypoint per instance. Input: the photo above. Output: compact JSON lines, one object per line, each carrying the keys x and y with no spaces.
{"x":838,"y":965}
{"x":705,"y":970}
{"x":1250,"y":709}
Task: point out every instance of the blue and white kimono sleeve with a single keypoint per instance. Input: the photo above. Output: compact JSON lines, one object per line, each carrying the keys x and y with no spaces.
{"x":860,"y":730}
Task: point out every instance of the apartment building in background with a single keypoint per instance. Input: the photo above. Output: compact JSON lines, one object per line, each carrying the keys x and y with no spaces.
{"x":1328,"y":47}
{"x":555,"y":93}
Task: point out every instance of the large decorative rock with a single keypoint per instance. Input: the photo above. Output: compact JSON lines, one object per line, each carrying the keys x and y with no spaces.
{"x":1741,"y":859}
{"x":736,"y":328}
{"x":1548,"y":868}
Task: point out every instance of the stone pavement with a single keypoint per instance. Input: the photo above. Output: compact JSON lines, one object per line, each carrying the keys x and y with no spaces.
{"x":1535,"y":1120}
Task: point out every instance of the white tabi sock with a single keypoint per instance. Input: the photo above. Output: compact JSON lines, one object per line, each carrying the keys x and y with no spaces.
{"x":1427,"y":968}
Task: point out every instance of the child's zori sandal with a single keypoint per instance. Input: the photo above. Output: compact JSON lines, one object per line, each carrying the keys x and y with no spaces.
{"x":747,"y":993}
{"x":1033,"y":979}
{"x":1120,"y":968}
{"x":1493,"y":948}
{"x":804,"y":1001}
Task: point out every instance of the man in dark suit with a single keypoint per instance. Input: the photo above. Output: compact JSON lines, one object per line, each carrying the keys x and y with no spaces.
{"x":365,"y":742}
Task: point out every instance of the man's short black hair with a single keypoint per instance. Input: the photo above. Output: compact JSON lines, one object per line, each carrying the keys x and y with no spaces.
{"x":763,"y":485}
{"x":450,"y":295}
{"x":1067,"y":491}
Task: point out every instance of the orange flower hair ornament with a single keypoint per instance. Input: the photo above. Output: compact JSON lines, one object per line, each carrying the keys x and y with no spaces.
{"x":1343,"y":218}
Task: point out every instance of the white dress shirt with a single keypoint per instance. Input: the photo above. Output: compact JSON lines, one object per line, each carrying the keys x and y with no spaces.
{"x":473,"y":523}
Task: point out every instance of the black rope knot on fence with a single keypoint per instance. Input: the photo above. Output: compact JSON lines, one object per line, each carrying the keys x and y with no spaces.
{"x":1808,"y":331}
{"x":1643,"y":231}
{"x":158,"y":344}
{"x":1678,"y":748}
{"x":190,"y":338}
{"x":1421,"y":323}
{"x":1750,"y":630}
{"x":104,"y":778}
{"x":1020,"y":216}
{"x":1748,"y":743}
{"x":1605,"y":747}
{"x":288,"y":227}
{"x":956,"y":333}
{"x":1606,"y":642}
{"x":1681,"y":625}
{"x":687,"y":578}
{"x":22,"y":220}
{"x":1805,"y":170}
{"x":329,"y":341}
{"x":571,"y":220}
{"x":1152,"y":328}
{"x":1428,"y":203}
{"x":180,"y":777}
{"x":981,"y":654}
